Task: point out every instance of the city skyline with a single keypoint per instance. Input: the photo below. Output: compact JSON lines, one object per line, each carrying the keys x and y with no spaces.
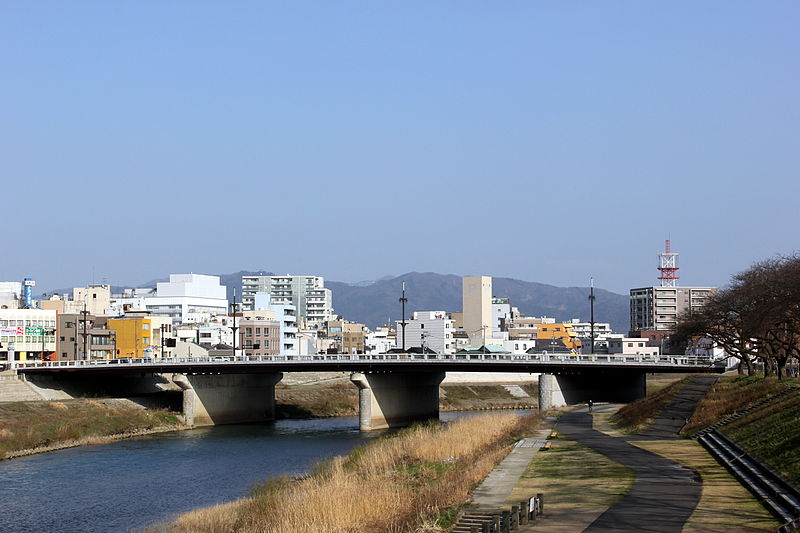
{"x":547,"y":143}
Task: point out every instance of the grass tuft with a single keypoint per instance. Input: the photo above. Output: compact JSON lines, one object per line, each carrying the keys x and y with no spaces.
{"x":413,"y":480}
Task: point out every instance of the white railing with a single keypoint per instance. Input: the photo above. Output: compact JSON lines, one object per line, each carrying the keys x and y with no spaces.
{"x":472,"y":358}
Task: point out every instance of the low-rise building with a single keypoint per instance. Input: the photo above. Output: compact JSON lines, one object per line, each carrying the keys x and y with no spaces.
{"x":83,"y":336}
{"x":27,"y":334}
{"x":10,"y":294}
{"x":617,"y":344}
{"x":558,"y":332}
{"x":260,"y":334}
{"x":141,"y":335}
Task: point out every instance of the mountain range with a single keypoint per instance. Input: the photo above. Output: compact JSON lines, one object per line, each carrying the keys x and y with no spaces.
{"x":377,"y":302}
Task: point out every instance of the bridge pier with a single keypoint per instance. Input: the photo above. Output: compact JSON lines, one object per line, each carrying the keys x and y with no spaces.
{"x":559,"y":390}
{"x":396,"y":399}
{"x":214,"y":399}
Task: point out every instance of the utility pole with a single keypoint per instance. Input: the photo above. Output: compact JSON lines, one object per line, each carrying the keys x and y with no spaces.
{"x":403,"y":301}
{"x":163,"y":330}
{"x":233,"y":314}
{"x":85,"y":313}
{"x":591,"y":311}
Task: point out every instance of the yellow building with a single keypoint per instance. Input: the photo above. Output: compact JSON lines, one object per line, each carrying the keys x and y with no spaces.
{"x":561,"y":332}
{"x":134,"y":335}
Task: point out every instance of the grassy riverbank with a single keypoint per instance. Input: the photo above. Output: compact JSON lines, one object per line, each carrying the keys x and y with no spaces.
{"x":340,"y":398}
{"x":30,"y":427}
{"x":415,"y":478}
{"x":770,"y":432}
{"x":636,"y":416}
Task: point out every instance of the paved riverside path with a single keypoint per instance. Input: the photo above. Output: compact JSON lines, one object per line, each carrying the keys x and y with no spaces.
{"x":497,"y":486}
{"x":663,"y":495}
{"x":677,"y":412}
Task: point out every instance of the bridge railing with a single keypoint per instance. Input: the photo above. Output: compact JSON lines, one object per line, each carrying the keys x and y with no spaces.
{"x":477,"y":358}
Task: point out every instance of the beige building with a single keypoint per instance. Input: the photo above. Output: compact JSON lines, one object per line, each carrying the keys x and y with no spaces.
{"x":96,"y":299}
{"x":477,"y":307}
{"x":259,"y":335}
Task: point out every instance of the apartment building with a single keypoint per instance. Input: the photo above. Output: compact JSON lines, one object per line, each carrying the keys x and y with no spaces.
{"x":308,"y":295}
{"x":658,"y":308}
{"x":431,"y":329}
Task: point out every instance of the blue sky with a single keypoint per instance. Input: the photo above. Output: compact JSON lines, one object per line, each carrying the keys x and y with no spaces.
{"x":542,"y":141}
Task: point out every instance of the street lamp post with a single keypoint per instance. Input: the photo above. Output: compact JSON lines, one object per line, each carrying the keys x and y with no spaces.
{"x":591,"y":312}
{"x":403,"y":301}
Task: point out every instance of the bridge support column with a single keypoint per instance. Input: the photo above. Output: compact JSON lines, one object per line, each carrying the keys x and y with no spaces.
{"x":396,"y":399}
{"x":570,"y":389}
{"x":214,"y":399}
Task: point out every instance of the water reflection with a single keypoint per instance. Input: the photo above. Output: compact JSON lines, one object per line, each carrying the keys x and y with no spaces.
{"x":138,"y":482}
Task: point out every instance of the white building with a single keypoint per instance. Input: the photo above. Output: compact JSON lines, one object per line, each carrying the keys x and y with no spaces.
{"x":380,"y":341}
{"x":617,"y":344}
{"x":27,"y":334}
{"x":10,"y":294}
{"x":431,"y":329}
{"x":308,"y":295}
{"x":184,"y":298}
{"x":501,"y":313}
{"x":584,"y":331}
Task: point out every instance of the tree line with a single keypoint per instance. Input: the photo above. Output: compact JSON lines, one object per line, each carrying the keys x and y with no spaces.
{"x":756,"y":319}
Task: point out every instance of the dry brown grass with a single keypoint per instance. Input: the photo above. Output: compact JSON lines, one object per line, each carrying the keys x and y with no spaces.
{"x":732,"y":394}
{"x":636,"y":416}
{"x":30,"y":427}
{"x":396,"y":484}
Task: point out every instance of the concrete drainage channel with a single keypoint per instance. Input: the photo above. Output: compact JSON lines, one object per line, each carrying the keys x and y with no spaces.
{"x":500,"y":521}
{"x":780,"y":497}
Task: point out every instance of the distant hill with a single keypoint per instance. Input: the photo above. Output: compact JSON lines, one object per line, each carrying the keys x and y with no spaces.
{"x":378,"y":303}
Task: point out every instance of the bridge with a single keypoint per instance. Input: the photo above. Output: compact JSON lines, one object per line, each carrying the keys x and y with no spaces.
{"x":394,"y":389}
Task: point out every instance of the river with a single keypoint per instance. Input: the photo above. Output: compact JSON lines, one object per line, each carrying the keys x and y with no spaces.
{"x":143,"y":481}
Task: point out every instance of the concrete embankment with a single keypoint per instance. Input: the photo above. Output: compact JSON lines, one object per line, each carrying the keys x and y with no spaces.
{"x":307,"y":395}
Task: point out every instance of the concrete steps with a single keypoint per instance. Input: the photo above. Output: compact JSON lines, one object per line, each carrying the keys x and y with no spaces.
{"x":14,"y":389}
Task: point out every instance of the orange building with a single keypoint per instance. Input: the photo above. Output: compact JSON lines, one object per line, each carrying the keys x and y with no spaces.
{"x":561,"y":332}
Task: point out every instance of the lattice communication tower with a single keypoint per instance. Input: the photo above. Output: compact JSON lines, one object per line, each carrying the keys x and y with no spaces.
{"x":668,"y":266}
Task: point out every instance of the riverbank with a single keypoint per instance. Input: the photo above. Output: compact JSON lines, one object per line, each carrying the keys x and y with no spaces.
{"x":417,"y":477}
{"x":340,"y":398}
{"x":28,"y":428}
{"x":766,"y":410}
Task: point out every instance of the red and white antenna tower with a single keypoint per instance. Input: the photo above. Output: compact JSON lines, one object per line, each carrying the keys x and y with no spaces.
{"x":668,"y":266}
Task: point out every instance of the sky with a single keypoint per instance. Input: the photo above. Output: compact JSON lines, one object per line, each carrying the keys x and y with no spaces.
{"x":545,"y":141}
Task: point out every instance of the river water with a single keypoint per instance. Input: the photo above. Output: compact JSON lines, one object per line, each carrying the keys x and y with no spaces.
{"x":139,"y":482}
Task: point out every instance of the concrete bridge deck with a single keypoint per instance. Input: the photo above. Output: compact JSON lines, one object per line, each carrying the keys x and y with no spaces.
{"x":394,"y":389}
{"x":535,"y":363}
